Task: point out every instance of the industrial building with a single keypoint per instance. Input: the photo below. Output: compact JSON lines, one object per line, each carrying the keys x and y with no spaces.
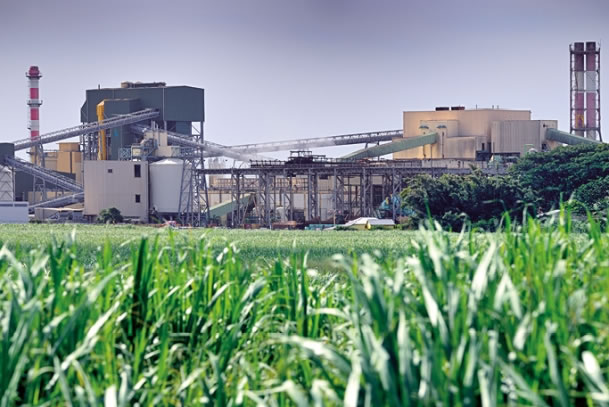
{"x":140,"y":148}
{"x":475,"y":134}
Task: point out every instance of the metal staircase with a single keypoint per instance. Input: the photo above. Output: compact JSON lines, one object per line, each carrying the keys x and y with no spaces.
{"x":44,"y":174}
{"x":87,"y":128}
{"x":59,"y":202}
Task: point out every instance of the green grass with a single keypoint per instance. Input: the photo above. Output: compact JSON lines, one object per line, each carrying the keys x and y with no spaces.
{"x":254,"y":245}
{"x":514,"y":318}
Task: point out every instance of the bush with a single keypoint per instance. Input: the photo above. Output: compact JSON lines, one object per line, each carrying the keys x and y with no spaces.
{"x":593,"y":192}
{"x":558,"y":174}
{"x":111,"y":215}
{"x":454,"y":199}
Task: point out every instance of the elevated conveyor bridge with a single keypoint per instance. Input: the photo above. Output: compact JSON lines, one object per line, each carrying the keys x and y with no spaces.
{"x":59,"y":202}
{"x":87,"y":128}
{"x":44,"y":174}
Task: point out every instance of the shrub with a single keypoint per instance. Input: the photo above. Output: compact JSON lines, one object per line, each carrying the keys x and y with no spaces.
{"x":593,"y":192}
{"x":111,"y":215}
{"x":558,"y":174}
{"x":455,"y":199}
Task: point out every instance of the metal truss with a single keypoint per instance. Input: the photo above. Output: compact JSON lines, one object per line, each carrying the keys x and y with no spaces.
{"x":59,"y":202}
{"x":210,"y":149}
{"x":44,"y":174}
{"x":308,"y":143}
{"x":264,"y":204}
{"x":353,"y":186}
{"x":87,"y":128}
{"x":312,"y":195}
{"x":186,"y":201}
{"x":246,"y":152}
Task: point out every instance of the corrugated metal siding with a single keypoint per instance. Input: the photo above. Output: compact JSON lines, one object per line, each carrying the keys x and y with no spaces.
{"x":175,"y":103}
{"x":518,"y":136}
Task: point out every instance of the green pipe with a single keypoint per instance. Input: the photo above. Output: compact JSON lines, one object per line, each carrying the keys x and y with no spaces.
{"x":393,"y":147}
{"x":568,"y":138}
{"x":227,"y":207}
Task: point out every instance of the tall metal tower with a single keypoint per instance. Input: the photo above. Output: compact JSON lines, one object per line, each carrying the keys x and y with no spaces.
{"x":585,"y":96}
{"x":33,"y":75}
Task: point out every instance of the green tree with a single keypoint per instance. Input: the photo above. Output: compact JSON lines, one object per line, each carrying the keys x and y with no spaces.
{"x":558,"y":174}
{"x":110,"y":215}
{"x":477,"y":198}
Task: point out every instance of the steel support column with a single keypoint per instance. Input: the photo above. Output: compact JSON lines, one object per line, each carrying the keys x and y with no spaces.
{"x":236,"y":198}
{"x":312,"y":195}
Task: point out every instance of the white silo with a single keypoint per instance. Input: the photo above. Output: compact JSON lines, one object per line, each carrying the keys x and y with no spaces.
{"x":165,"y":184}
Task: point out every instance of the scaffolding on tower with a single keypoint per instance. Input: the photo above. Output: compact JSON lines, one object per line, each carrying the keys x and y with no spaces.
{"x":34,"y":102}
{"x":585,"y":94}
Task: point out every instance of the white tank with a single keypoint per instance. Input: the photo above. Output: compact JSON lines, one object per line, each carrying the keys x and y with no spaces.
{"x":165,"y":185}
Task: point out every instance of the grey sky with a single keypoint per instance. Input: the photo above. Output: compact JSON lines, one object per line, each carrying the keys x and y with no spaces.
{"x":286,"y":69}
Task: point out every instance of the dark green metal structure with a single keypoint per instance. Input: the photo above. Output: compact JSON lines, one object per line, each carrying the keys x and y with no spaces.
{"x":393,"y":147}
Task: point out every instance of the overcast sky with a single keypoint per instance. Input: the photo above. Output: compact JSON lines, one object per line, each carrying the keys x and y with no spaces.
{"x":287,"y":69}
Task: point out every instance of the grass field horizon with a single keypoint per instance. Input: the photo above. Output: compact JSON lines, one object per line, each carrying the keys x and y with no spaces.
{"x":241,"y":318}
{"x":253,"y":245}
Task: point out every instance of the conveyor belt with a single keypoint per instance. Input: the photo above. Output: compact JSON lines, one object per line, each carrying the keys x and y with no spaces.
{"x":214,"y":149}
{"x":305,"y":144}
{"x":60,"y":201}
{"x":210,"y":149}
{"x":393,"y":147}
{"x":568,"y":138}
{"x":44,"y":174}
{"x":87,"y":128}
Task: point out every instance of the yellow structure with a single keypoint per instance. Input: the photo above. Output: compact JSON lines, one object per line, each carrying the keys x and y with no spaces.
{"x":462,"y":133}
{"x":67,"y":159}
{"x":102,"y":153}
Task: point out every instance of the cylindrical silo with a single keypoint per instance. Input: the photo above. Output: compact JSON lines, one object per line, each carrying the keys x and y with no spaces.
{"x":165,"y":185}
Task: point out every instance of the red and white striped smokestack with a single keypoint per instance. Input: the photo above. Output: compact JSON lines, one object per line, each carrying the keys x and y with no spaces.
{"x":33,"y":75}
{"x":592,"y":91}
{"x":579,"y":87}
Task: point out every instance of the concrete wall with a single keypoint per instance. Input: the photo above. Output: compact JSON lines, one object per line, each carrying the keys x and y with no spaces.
{"x":113,"y":184}
{"x":470,"y":123}
{"x":14,"y":212}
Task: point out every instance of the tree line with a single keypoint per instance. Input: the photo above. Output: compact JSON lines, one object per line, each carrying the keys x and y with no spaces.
{"x":537,"y":183}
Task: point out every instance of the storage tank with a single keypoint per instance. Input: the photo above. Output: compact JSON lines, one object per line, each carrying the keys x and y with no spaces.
{"x":165,"y":185}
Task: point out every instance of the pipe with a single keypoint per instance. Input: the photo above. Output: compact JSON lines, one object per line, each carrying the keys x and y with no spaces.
{"x":102,"y":154}
{"x":568,"y":138}
{"x":393,"y":147}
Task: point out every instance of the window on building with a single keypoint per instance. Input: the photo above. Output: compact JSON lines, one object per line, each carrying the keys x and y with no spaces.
{"x":109,"y":170}
{"x":137,"y":171}
{"x":137,"y":198}
{"x":482,"y":146}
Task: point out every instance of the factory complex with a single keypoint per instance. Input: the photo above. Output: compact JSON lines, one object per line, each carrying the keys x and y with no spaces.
{"x":141,"y":148}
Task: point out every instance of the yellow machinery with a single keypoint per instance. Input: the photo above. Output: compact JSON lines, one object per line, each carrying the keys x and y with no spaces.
{"x":102,"y":146}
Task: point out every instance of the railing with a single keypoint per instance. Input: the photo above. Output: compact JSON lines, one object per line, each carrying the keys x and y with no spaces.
{"x":87,"y":128}
{"x":60,"y":201}
{"x":44,"y":174}
{"x":303,"y":144}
